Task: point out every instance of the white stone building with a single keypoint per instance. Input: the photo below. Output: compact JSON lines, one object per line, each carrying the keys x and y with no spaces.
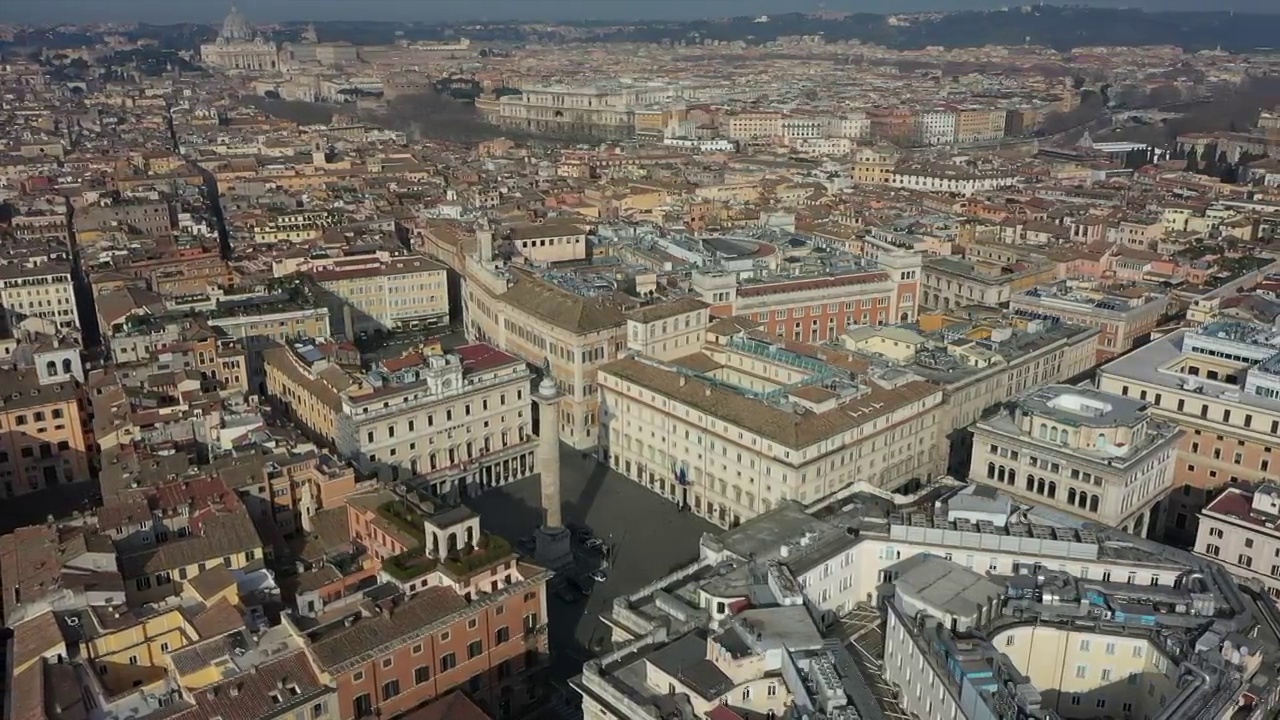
{"x":238,"y":47}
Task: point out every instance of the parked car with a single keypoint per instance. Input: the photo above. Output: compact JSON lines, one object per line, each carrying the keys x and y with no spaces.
{"x":594,"y":542}
{"x":599,"y":575}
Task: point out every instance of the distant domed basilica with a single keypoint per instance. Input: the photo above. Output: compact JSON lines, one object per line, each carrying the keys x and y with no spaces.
{"x":238,"y":47}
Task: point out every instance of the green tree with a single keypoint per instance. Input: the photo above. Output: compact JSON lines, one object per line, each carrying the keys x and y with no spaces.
{"x":1209,"y":160}
{"x":1193,"y":164}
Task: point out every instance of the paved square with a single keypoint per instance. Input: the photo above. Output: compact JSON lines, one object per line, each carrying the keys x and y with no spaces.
{"x":649,"y":535}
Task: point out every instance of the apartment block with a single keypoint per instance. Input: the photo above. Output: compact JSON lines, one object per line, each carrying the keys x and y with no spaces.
{"x":747,"y":422}
{"x":169,"y":534}
{"x":262,"y":321}
{"x":752,"y":125}
{"x":1241,"y":530}
{"x":1220,"y":384}
{"x":1088,"y":453}
{"x":983,"y":360}
{"x":403,"y":293}
{"x":874,"y":165}
{"x":818,"y":308}
{"x":456,"y":421}
{"x":937,"y":127}
{"x":133,"y":216}
{"x":41,"y":292}
{"x":945,"y":178}
{"x":198,"y":654}
{"x":44,"y":432}
{"x":417,"y":649}
{"x":285,"y":489}
{"x":218,"y":361}
{"x":1125,"y":317}
{"x":980,"y":125}
{"x":548,"y":242}
{"x":953,"y":282}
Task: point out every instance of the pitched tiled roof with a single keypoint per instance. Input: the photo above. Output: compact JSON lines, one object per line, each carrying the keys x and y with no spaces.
{"x":790,"y":429}
{"x":219,"y":619}
{"x":662,"y":311}
{"x":32,"y":639}
{"x":454,"y":706}
{"x":221,"y":534}
{"x":410,"y":619}
{"x":273,"y":689}
{"x":562,"y":308}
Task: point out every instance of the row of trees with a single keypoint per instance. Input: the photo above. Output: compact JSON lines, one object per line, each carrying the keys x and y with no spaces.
{"x":1210,"y":161}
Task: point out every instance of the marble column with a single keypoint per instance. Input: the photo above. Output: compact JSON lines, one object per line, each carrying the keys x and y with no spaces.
{"x":548,"y":399}
{"x":554,"y":546}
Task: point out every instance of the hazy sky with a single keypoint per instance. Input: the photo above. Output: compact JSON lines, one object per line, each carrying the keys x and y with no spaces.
{"x":266,"y":11}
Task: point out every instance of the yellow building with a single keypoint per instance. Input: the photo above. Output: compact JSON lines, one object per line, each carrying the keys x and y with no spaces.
{"x":548,"y":242}
{"x":545,"y":324}
{"x":43,"y":442}
{"x":402,"y":293}
{"x":874,"y":165}
{"x":897,"y":344}
{"x":744,"y":423}
{"x":978,"y":125}
{"x":222,"y":539}
{"x":668,"y":330}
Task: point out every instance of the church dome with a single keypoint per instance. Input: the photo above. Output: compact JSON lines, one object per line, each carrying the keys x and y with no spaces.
{"x":236,"y":27}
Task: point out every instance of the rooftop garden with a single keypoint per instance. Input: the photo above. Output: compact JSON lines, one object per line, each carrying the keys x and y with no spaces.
{"x":489,"y":550}
{"x":413,"y":564}
{"x":405,"y":518}
{"x":409,"y":565}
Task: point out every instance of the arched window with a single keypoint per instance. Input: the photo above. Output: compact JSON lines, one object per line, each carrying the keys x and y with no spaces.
{"x":1053,"y":434}
{"x":1053,"y":489}
{"x":1093,"y":504}
{"x":1000,"y":473}
{"x":991,"y":471}
{"x":1044,"y":431}
{"x":1031,"y":482}
{"x":1071,"y":496}
{"x":1066,"y":437}
{"x":1082,"y":500}
{"x":1040,"y":486}
{"x":1102,"y":440}
{"x":51,"y":367}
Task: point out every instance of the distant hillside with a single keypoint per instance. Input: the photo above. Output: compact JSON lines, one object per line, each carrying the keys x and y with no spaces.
{"x":1058,"y":27}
